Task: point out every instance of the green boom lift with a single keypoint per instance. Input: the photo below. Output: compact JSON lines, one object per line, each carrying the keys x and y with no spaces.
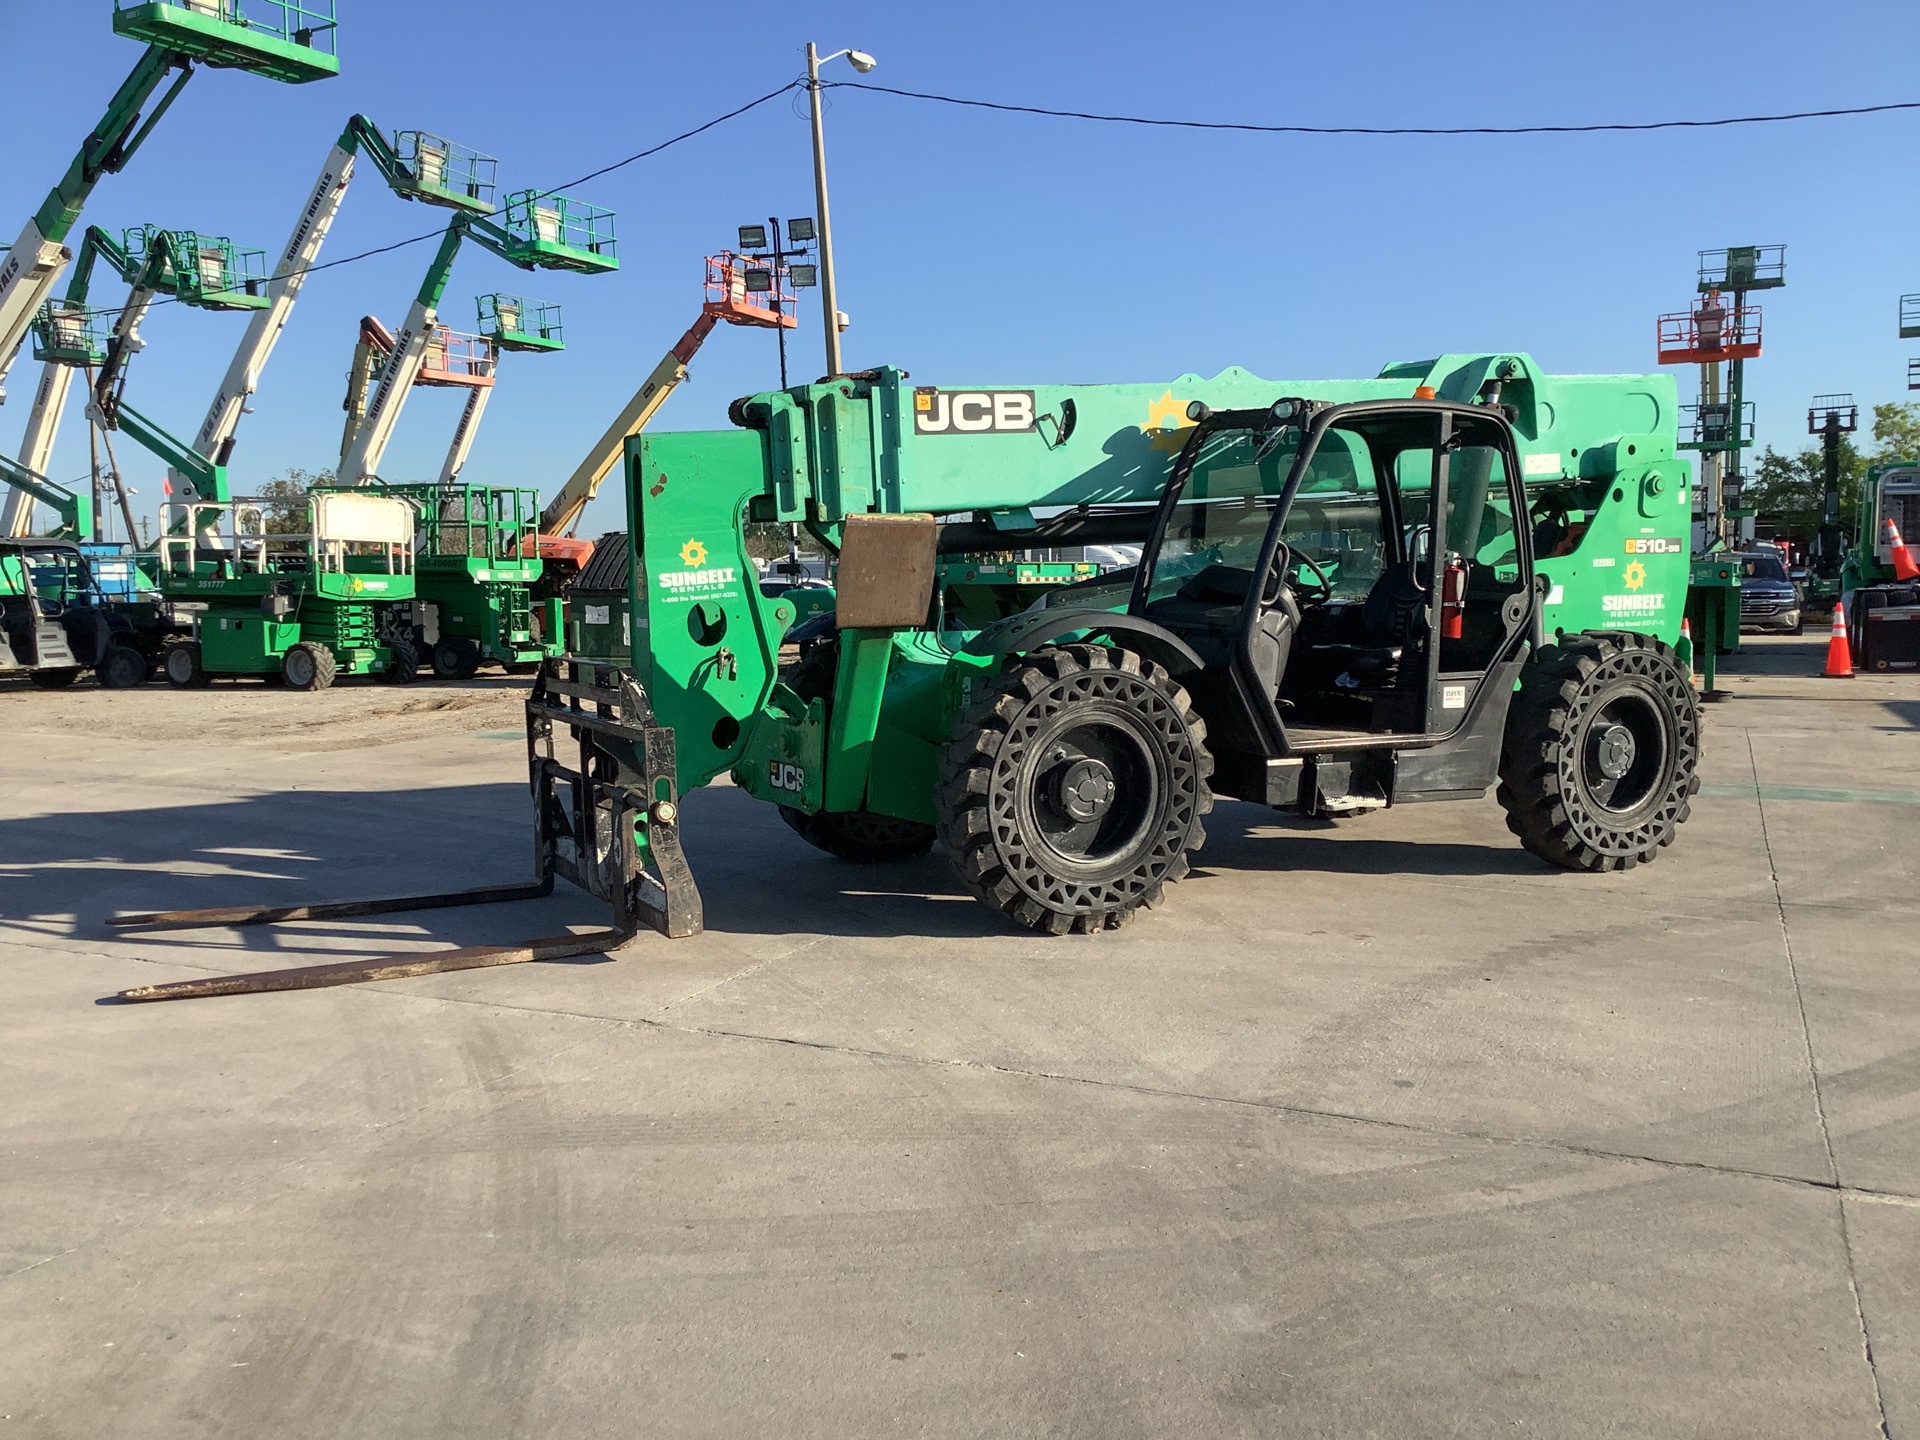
{"x":202,"y":271}
{"x":478,"y":560}
{"x":1459,"y":575}
{"x":479,"y":556}
{"x":288,"y":40}
{"x":237,"y":580}
{"x":206,"y":272}
{"x":282,"y":595}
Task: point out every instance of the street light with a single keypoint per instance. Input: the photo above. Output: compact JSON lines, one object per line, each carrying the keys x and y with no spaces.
{"x":829,"y":296}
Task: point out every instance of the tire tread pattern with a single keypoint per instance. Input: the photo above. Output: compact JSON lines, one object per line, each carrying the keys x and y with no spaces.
{"x":1539,"y":789}
{"x":982,"y":844}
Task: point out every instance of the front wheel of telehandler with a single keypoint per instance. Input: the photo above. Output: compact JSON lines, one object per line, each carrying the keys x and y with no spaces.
{"x":1073,"y":794}
{"x":1602,"y":743}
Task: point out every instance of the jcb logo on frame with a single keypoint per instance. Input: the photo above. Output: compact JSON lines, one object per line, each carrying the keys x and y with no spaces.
{"x":972,"y":412}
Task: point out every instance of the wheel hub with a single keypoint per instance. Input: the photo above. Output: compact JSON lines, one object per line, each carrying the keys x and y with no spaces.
{"x":1614,"y":750}
{"x":1084,"y":790}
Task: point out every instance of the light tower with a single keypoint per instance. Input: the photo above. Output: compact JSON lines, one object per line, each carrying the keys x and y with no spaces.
{"x":1830,"y":417}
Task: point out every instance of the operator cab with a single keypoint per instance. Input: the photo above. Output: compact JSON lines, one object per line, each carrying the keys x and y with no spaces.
{"x":1353,"y":581}
{"x":52,"y":611}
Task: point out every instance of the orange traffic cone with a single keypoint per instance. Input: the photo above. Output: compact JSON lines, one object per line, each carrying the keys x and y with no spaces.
{"x":1839,"y":653}
{"x":1903,"y":566}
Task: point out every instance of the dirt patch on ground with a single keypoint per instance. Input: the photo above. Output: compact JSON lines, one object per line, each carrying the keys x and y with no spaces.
{"x":249,"y":713}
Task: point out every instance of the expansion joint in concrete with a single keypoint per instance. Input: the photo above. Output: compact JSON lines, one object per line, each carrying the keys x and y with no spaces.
{"x":1819,"y":1100}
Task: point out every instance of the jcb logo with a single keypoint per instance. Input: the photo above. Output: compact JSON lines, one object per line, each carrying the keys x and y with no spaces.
{"x":972,"y":412}
{"x":784,"y":776}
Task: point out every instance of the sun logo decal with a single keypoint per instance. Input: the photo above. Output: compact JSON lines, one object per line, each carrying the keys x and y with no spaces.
{"x":1167,"y":424}
{"x":1635,"y":575}
{"x":693,"y":554}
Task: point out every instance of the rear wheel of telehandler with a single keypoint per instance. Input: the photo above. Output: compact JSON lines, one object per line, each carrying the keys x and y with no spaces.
{"x":1601,"y":748}
{"x":183,"y":666}
{"x":859,"y":835}
{"x":308,"y":667}
{"x":1072,"y":795}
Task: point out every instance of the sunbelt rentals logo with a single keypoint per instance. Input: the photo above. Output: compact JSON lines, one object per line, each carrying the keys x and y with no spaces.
{"x":698,"y":576}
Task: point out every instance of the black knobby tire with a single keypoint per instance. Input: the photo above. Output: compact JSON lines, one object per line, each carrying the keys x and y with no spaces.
{"x":1602,"y":746}
{"x":307,"y":666}
{"x":123,"y":668}
{"x":1072,"y":795}
{"x":859,"y":836}
{"x":456,"y":658}
{"x":54,"y":679}
{"x":403,"y":662}
{"x":182,"y":664}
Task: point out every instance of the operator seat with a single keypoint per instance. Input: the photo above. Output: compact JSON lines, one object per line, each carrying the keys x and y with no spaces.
{"x":87,"y":631}
{"x":1205,"y":612}
{"x":1390,"y":619}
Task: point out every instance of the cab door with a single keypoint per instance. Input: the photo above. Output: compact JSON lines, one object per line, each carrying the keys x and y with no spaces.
{"x":1479,"y":568}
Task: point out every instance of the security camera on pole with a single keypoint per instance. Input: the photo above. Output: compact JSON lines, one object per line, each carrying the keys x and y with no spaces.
{"x":829,"y":295}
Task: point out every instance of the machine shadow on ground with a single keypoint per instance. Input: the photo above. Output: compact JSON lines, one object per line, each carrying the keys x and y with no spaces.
{"x":755,"y":876}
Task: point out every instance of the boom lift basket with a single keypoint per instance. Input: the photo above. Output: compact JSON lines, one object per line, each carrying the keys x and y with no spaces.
{"x":1743,"y":267}
{"x":1910,"y":317}
{"x":69,"y":334}
{"x":1713,"y":427}
{"x":1706,"y":334}
{"x":209,"y":271}
{"x":514,"y":322}
{"x":729,"y":299}
{"x":606,"y":818}
{"x":457,"y":359}
{"x":441,"y":172}
{"x":291,"y":40}
{"x":553,"y":232}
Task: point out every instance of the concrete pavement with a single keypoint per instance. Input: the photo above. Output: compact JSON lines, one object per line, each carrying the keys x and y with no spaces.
{"x":1377,"y":1128}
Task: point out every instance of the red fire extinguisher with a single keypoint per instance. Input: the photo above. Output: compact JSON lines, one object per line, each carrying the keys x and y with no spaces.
{"x":1453,"y":599}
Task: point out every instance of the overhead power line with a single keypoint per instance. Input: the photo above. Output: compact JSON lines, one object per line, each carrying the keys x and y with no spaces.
{"x":1162,"y":122}
{"x":646,"y":154}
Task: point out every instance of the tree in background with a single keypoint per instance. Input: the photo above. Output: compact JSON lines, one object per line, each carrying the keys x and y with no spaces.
{"x":285,"y":499}
{"x":1792,"y":489}
{"x":1896,"y":433}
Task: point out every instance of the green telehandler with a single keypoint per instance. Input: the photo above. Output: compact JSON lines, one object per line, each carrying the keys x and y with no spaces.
{"x":1459,"y":575}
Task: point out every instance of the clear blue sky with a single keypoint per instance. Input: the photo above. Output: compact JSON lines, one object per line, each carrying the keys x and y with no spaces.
{"x":978,"y":248}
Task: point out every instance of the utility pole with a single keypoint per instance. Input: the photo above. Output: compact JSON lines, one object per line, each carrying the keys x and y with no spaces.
{"x":829,"y":293}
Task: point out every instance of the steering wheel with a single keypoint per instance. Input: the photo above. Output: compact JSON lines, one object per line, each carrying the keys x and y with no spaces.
{"x":1280,"y":583}
{"x":1321,"y":595}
